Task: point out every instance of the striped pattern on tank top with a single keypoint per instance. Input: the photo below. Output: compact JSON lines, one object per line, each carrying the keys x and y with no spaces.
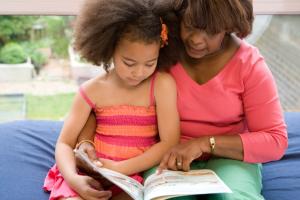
{"x":124,"y":131}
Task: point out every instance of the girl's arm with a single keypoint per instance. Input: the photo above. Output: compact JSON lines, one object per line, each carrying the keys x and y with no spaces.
{"x":85,"y":186}
{"x":66,"y":142}
{"x":168,"y":128}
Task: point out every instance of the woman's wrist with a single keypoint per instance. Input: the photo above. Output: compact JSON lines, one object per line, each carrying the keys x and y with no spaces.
{"x":84,"y":142}
{"x":212,"y":143}
{"x":205,"y":144}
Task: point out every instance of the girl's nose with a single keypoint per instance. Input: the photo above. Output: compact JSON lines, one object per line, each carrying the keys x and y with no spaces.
{"x":139,"y":72}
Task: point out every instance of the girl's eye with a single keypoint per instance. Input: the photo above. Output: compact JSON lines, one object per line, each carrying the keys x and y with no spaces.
{"x":128,"y":64}
{"x":150,"y":65}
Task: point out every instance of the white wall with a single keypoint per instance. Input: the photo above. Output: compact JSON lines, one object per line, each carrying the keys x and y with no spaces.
{"x":71,"y":7}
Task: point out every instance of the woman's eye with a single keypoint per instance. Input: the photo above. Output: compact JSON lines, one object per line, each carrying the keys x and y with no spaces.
{"x":188,"y":27}
{"x":210,"y":33}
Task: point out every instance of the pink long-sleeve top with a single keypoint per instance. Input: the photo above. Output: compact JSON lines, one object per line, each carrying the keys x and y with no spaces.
{"x":241,"y":99}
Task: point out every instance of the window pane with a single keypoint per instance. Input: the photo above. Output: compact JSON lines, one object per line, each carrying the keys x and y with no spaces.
{"x":44,"y":85}
{"x":36,"y":75}
{"x":278,"y":39}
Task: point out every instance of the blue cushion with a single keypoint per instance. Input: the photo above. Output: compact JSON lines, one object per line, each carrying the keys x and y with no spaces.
{"x":26,"y":154}
{"x":281,"y":179}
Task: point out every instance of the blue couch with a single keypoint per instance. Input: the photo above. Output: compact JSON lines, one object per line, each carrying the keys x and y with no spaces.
{"x":27,"y":147}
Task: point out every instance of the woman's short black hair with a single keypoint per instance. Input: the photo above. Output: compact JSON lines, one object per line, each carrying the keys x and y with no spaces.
{"x":102,"y":23}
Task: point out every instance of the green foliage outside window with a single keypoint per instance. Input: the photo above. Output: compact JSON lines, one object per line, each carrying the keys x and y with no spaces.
{"x":12,"y":53}
{"x":33,"y":33}
{"x":15,"y":28}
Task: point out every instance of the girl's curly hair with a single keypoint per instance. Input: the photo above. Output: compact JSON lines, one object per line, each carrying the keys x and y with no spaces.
{"x":102,"y":23}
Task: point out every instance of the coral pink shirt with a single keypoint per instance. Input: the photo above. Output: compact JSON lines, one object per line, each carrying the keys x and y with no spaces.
{"x":241,"y":99}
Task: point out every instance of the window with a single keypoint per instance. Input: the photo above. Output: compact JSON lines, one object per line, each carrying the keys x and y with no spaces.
{"x":278,"y":39}
{"x":70,"y":7}
{"x":275,"y":33}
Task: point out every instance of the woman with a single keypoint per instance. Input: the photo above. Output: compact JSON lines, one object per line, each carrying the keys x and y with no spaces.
{"x":231,"y":118}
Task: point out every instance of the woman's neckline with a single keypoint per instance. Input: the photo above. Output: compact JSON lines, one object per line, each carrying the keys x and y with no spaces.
{"x":188,"y":78}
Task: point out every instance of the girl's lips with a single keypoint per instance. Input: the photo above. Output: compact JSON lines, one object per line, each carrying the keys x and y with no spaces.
{"x":133,"y":80}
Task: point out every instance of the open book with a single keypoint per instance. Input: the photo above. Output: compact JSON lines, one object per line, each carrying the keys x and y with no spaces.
{"x":166,"y":185}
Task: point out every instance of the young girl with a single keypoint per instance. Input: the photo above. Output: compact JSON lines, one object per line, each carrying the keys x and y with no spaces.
{"x":133,"y":102}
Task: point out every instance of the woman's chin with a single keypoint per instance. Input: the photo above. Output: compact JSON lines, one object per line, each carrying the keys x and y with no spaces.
{"x":195,"y":54}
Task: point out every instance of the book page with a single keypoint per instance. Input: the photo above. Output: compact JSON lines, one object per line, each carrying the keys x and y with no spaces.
{"x":128,"y":184}
{"x":178,"y":183}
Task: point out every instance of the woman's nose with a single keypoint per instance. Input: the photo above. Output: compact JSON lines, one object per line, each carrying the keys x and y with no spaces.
{"x":197,"y":38}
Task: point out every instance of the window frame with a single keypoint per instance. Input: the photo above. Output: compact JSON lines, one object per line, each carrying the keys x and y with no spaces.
{"x":71,"y":7}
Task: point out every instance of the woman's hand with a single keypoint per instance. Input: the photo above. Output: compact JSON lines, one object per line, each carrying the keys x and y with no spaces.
{"x":89,"y":149}
{"x":89,"y":189}
{"x":181,"y":156}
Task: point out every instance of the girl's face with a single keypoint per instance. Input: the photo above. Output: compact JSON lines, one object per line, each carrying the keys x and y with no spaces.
{"x":135,"y":61}
{"x":198,"y":43}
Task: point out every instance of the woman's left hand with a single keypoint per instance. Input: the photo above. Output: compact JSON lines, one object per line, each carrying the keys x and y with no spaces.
{"x":181,"y":155}
{"x":110,"y":164}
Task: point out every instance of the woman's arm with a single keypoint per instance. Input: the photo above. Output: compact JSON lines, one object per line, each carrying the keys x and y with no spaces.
{"x":228,"y":146}
{"x":168,"y":128}
{"x":88,"y":131}
{"x":84,"y":143}
{"x":266,"y":139}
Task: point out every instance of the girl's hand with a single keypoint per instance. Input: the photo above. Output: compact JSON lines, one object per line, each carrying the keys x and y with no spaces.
{"x":181,"y":156}
{"x":122,"y":167}
{"x":89,"y":189}
{"x":112,"y":165}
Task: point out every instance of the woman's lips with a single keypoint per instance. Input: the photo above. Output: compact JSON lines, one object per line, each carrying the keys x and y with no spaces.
{"x":196,"y":51}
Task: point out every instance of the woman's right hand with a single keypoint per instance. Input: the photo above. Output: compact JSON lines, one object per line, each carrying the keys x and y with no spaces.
{"x":89,"y":189}
{"x":89,"y":149}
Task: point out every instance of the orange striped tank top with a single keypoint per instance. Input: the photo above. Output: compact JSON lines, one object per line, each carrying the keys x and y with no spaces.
{"x":124,"y":131}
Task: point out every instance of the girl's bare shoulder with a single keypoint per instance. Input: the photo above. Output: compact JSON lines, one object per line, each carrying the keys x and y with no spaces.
{"x":94,"y":86}
{"x":164,"y":80}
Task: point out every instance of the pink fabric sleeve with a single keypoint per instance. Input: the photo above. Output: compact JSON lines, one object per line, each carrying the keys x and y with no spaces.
{"x":267,"y":136}
{"x":152,"y":97}
{"x":86,"y":98}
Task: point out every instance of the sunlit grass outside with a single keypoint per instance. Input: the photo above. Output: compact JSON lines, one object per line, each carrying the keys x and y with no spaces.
{"x":52,"y":107}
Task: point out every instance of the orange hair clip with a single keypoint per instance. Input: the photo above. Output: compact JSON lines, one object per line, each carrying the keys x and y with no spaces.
{"x":164,"y":34}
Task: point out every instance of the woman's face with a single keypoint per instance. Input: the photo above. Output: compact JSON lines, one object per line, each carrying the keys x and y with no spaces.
{"x":199,"y":43}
